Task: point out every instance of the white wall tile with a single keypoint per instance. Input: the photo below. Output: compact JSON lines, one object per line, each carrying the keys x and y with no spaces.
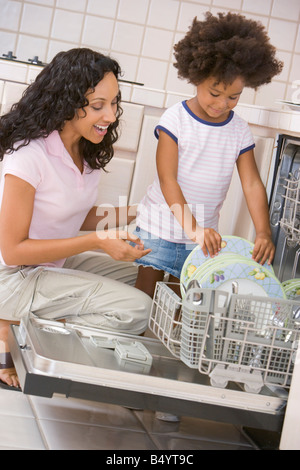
{"x":263,"y":118}
{"x":290,"y":94}
{"x":295,"y":69}
{"x":188,"y":11}
{"x":297,"y":45}
{"x":289,"y":10}
{"x":273,"y":119}
{"x":257,"y":6}
{"x":29,"y":46}
{"x":296,"y":91}
{"x":33,"y":72}
{"x":148,"y":97}
{"x":173,"y":98}
{"x":176,"y":84}
{"x":282,"y":34}
{"x":163,"y":14}
{"x":295,"y":122}
{"x":134,"y":11}
{"x":97,"y":32}
{"x":206,"y":2}
{"x":127,"y":38}
{"x":158,"y":43}
{"x":102,"y":7}
{"x":67,"y":26}
{"x":267,"y":95}
{"x":284,"y":120}
{"x":126,"y":90}
{"x":12,"y":92}
{"x":48,"y":3}
{"x":74,"y":5}
{"x":128,"y":64}
{"x":152,"y":73}
{"x":36,"y":19}
{"x":286,"y":58}
{"x":8,"y":42}
{"x":233,"y":4}
{"x":248,"y":96}
{"x":57,"y":46}
{"x":12,"y":71}
{"x":10,"y":14}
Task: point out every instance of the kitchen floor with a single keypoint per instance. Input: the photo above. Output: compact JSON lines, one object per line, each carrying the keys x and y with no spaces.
{"x":59,"y":423}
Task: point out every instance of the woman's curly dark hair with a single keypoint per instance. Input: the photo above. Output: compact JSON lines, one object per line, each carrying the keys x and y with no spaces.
{"x":54,"y":97}
{"x":226,"y":46}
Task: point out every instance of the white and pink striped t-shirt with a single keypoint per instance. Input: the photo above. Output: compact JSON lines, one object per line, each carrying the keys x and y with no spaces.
{"x":207,"y":153}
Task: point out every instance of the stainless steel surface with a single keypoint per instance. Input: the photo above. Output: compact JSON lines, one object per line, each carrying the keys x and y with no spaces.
{"x":52,"y":358}
{"x":287,"y":166}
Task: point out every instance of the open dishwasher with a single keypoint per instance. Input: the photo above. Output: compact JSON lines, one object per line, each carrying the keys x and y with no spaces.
{"x":170,"y":373}
{"x":217,"y":356}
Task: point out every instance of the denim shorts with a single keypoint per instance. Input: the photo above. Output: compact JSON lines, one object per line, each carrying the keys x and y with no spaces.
{"x":165,"y":256}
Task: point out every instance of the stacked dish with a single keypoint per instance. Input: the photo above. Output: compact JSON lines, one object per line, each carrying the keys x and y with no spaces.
{"x":234,"y":263}
{"x":292,"y":289}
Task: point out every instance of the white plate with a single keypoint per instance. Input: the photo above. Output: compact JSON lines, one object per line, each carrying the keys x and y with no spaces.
{"x":230,"y":244}
{"x":252,"y":278}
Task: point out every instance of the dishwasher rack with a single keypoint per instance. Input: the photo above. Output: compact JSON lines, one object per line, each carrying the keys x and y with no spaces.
{"x":232,"y":338}
{"x":290,"y":221}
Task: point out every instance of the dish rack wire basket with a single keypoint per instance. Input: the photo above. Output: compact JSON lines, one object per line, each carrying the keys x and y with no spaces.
{"x":246,"y":339}
{"x":290,"y":221}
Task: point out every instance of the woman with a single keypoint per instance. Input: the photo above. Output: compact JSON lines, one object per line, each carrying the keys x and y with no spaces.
{"x":54,"y":143}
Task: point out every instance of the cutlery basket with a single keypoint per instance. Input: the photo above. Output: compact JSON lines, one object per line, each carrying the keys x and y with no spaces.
{"x":246,"y":339}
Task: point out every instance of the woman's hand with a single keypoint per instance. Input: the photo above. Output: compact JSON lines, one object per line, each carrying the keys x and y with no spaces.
{"x":264,"y":249}
{"x":113,"y":242}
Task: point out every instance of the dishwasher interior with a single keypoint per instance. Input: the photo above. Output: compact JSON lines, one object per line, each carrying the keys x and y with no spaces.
{"x":140,"y":372}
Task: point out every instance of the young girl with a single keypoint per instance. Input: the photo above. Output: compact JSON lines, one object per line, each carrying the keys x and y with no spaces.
{"x":199,"y":142}
{"x":54,"y":144}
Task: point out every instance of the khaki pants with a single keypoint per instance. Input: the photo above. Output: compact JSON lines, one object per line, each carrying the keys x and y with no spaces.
{"x":91,"y":289}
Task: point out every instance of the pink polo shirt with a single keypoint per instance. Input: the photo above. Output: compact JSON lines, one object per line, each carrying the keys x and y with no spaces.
{"x":63,"y":195}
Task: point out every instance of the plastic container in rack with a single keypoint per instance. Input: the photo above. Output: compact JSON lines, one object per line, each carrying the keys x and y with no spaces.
{"x":165,"y":317}
{"x":197,"y":307}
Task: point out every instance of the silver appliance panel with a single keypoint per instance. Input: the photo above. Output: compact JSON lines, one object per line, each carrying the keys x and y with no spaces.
{"x":54,"y":358}
{"x":287,"y":166}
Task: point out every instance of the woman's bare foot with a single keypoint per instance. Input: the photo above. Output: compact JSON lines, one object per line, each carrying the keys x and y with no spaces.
{"x":9,"y":377}
{"x":8,"y":374}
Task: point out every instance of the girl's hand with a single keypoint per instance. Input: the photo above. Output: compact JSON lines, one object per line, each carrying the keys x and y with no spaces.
{"x":264,"y":249}
{"x":212,"y":242}
{"x":209,"y":240}
{"x":113,"y":242}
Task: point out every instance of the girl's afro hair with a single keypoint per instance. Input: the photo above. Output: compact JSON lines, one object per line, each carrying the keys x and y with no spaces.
{"x":225,"y":47}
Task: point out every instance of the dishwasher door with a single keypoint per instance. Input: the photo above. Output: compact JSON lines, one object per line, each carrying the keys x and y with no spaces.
{"x":55,"y":358}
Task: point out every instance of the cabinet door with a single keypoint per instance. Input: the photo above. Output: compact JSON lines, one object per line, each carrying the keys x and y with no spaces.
{"x":130,"y":127}
{"x":115,"y":184}
{"x":234,"y":217}
{"x":145,"y":166}
{"x":12,"y":92}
